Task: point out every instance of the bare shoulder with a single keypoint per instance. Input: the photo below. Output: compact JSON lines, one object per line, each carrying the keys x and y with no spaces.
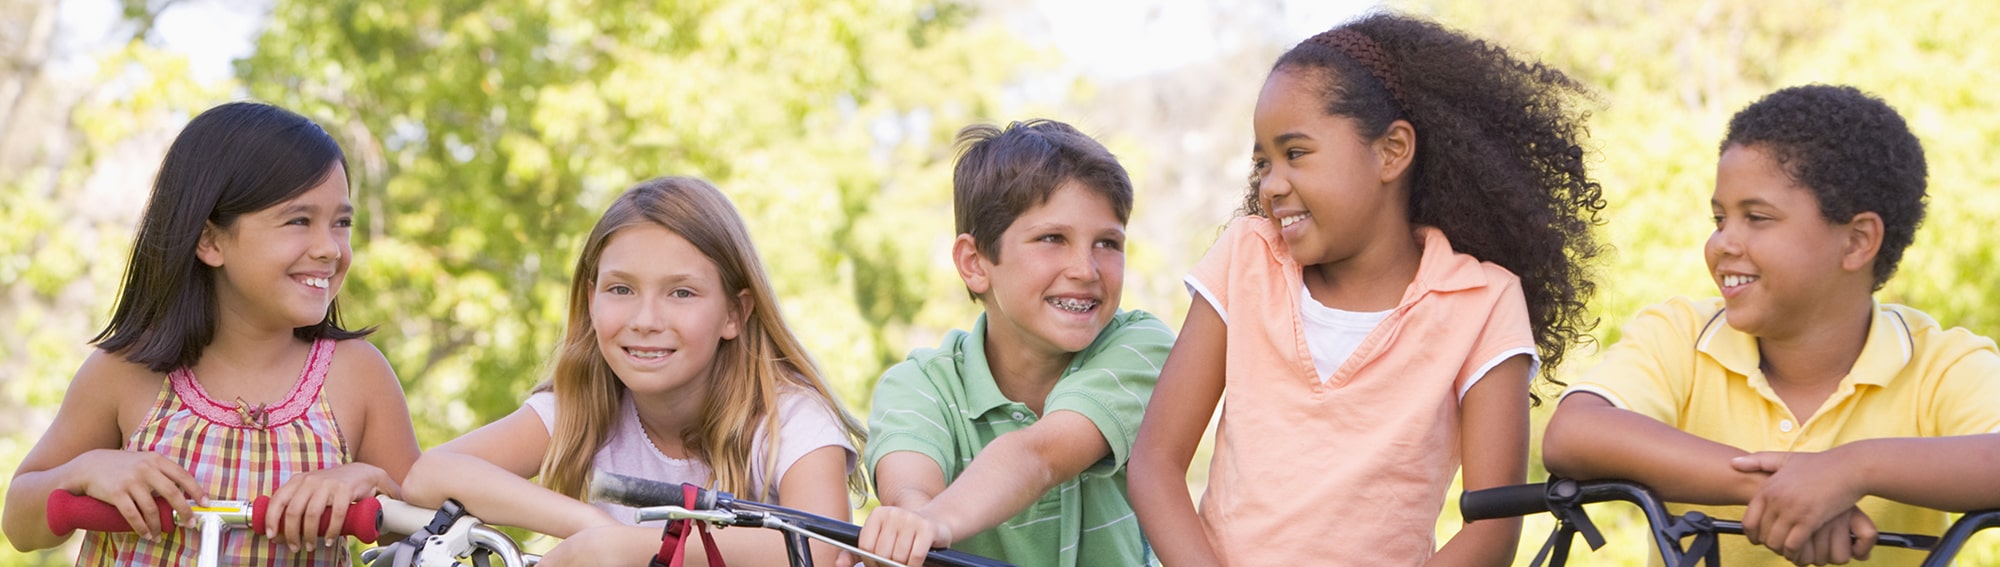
{"x":359,"y":366}
{"x":359,"y":379}
{"x":109,"y":385}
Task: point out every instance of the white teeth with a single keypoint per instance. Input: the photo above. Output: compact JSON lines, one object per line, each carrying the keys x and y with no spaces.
{"x":1287,"y":221}
{"x":646,"y":353}
{"x":1733,"y":280}
{"x":317,"y":282}
{"x":1073,"y":305}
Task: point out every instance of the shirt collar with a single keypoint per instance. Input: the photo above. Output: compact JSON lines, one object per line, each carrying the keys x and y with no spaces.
{"x":1887,"y":350}
{"x":982,"y":393}
{"x":1441,"y":268}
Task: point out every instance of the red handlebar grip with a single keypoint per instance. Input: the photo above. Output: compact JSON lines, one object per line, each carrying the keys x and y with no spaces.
{"x":363,"y":521}
{"x":70,"y":512}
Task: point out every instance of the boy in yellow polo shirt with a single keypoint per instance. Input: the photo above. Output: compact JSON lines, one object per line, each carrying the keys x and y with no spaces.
{"x":1795,"y":401}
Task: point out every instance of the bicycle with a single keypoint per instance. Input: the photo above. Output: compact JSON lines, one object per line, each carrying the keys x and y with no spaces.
{"x":444,"y":537}
{"x":1565,"y":499}
{"x":70,"y":512}
{"x":663,"y":501}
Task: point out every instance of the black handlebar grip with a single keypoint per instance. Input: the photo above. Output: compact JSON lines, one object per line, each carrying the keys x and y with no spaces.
{"x":642,"y":493}
{"x":1504,"y":502}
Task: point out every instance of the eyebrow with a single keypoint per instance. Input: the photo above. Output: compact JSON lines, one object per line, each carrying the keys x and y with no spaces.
{"x":628,"y":276}
{"x":1742,"y":203}
{"x":1280,"y":140}
{"x":345,"y":209}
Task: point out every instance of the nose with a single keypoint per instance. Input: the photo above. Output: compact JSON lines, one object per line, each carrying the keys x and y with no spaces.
{"x":1271,"y":187}
{"x":327,"y":247}
{"x":1082,"y":265}
{"x":1725,"y":241}
{"x":648,"y":318}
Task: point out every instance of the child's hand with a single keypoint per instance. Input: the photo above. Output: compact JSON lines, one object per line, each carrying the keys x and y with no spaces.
{"x":903,"y":535}
{"x":1806,"y":491}
{"x":130,"y":480}
{"x":1850,"y":536}
{"x":299,"y":504}
{"x":609,"y":545}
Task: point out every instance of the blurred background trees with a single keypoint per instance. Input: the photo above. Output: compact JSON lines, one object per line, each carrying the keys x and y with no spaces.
{"x":484,"y":138}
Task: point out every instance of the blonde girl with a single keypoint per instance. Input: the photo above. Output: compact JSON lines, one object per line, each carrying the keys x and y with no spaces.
{"x":676,"y":366}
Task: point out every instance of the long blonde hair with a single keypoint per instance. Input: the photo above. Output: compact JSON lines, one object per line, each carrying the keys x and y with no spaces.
{"x":748,"y":374}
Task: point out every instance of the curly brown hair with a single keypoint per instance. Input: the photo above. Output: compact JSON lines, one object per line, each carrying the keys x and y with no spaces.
{"x":1499,"y":167}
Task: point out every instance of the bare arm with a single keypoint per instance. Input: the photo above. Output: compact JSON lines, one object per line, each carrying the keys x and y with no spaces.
{"x":1010,"y":473}
{"x":1493,"y":439}
{"x":81,"y":453}
{"x":1588,"y":438}
{"x":1190,"y":385}
{"x":488,"y":469}
{"x":387,"y":439}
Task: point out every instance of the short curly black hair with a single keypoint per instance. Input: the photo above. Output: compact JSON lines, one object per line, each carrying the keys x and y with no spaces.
{"x":1851,"y":149}
{"x":1499,"y":165}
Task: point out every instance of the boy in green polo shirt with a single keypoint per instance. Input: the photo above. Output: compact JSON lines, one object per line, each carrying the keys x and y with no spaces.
{"x":1010,"y":441}
{"x":1796,"y":401}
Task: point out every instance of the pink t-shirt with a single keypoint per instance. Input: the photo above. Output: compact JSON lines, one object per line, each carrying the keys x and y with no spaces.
{"x":1353,"y":470}
{"x":804,"y":425}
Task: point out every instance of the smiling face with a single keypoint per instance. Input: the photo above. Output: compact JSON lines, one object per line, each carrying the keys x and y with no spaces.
{"x":660,"y":310}
{"x":1775,"y":257}
{"x":1317,"y":176}
{"x":1061,"y":270}
{"x":280,"y":267}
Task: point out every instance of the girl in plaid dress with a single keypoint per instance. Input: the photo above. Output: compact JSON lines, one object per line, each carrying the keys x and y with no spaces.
{"x":225,"y":372}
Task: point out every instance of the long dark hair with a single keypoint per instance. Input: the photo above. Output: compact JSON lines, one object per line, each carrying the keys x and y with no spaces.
{"x":1499,"y":167}
{"x":231,"y":160}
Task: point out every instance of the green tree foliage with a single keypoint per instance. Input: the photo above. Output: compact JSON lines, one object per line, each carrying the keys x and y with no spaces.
{"x":485,"y":138}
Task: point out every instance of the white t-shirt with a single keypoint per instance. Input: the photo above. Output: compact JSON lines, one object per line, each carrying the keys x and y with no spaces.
{"x":1333,"y":334}
{"x":804,"y":425}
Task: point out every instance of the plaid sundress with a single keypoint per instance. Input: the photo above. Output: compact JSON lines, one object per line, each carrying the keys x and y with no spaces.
{"x":236,"y":453}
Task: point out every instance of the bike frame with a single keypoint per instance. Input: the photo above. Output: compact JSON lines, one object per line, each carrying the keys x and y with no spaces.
{"x":1565,"y":498}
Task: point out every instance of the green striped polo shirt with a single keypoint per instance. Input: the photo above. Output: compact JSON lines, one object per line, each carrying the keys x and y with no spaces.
{"x":943,"y":403}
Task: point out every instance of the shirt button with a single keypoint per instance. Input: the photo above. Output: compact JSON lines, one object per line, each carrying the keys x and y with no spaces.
{"x":1785,"y":425}
{"x":1018,"y":416}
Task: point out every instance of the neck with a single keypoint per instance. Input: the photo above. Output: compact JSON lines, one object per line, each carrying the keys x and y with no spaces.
{"x":1374,"y":279}
{"x":1024,"y":374}
{"x":1823,"y":349}
{"x":670,"y":416}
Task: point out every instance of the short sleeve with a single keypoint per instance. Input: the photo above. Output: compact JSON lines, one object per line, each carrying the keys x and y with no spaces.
{"x":909,"y":414}
{"x":1649,"y":370}
{"x":1505,"y":335}
{"x":1111,"y":388}
{"x":1209,"y":280}
{"x":805,"y":425}
{"x":544,"y":404}
{"x":1966,"y":400}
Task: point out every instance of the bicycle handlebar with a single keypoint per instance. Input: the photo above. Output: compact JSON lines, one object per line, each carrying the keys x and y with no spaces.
{"x":644,"y":493}
{"x":70,"y":512}
{"x":1503,"y":502}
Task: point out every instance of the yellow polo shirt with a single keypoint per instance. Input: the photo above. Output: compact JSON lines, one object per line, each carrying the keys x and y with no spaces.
{"x":1681,"y":363}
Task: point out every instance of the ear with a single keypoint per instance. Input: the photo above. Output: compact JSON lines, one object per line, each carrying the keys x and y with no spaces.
{"x":1863,"y":242}
{"x":206,"y":248}
{"x":739,"y":316}
{"x":1397,"y":148}
{"x":971,"y":264}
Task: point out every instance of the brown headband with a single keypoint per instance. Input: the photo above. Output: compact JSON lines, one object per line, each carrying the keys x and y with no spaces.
{"x":1365,"y":51}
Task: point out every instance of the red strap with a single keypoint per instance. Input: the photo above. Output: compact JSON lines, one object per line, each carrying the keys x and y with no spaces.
{"x":672,"y":553}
